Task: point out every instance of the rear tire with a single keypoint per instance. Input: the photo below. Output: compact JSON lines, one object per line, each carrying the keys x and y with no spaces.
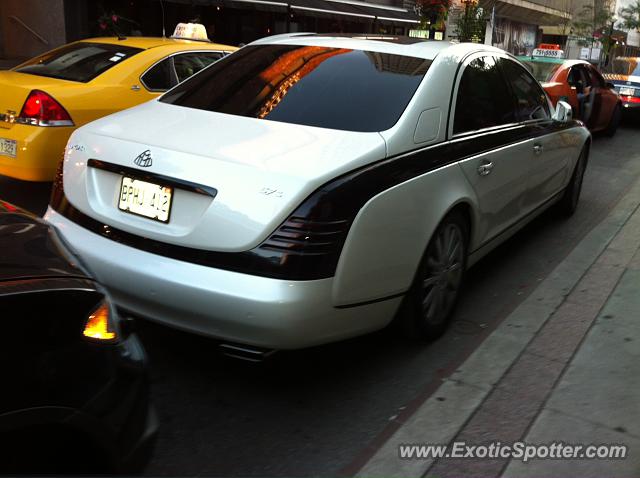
{"x":430,"y":303}
{"x":614,"y":122}
{"x":569,"y":202}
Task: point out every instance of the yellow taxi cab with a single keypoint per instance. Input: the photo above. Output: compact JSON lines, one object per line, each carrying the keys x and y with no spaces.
{"x":44,"y":99}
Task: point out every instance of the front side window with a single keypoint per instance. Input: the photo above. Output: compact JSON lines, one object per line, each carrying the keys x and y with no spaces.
{"x":328,"y":87}
{"x":78,"y":61}
{"x":531,"y":99}
{"x":595,"y":77}
{"x":483,"y":100}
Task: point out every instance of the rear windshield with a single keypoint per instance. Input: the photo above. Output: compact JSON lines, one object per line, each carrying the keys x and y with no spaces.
{"x":541,"y":71}
{"x":333,"y":88}
{"x":625,"y":66}
{"x":79,"y":61}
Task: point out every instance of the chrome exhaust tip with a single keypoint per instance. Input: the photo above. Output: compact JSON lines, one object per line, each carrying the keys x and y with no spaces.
{"x":248,"y":353}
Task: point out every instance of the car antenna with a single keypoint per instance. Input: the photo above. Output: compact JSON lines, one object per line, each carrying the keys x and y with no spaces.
{"x":164,"y":33}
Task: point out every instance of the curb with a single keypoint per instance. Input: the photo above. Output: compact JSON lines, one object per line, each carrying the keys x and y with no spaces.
{"x":448,"y":410}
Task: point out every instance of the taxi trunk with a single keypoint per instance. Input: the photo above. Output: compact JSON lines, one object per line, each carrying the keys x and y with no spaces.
{"x":25,"y":148}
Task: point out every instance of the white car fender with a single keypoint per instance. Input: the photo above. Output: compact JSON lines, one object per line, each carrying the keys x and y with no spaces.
{"x":391,"y":232}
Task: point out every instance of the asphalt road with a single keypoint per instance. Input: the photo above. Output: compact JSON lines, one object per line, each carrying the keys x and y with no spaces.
{"x":317,"y":412}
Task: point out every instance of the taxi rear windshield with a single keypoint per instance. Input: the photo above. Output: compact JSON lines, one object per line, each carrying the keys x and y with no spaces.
{"x":541,"y":70}
{"x":334,"y":88}
{"x":80,"y":62}
{"x":625,"y":66}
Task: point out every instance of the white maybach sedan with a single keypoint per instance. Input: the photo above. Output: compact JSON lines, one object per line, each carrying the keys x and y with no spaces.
{"x":310,"y":188}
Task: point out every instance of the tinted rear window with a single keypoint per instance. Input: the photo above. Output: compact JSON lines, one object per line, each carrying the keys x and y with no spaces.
{"x":333,"y":88}
{"x":79,"y":61}
{"x":541,"y":71}
{"x":625,"y":66}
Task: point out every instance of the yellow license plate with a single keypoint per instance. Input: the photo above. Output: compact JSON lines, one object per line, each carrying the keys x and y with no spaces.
{"x":145,"y":199}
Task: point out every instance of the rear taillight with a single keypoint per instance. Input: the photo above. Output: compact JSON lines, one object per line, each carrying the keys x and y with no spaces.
{"x":305,"y":248}
{"x":40,"y":109}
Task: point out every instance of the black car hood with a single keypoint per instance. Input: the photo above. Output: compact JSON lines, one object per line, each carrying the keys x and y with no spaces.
{"x":30,"y":248}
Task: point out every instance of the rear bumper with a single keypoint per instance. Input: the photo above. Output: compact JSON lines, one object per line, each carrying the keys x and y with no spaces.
{"x":627,"y":105}
{"x":39,"y":149}
{"x":232,"y":306}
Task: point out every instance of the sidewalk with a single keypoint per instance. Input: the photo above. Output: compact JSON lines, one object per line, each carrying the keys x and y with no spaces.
{"x":563,"y":367}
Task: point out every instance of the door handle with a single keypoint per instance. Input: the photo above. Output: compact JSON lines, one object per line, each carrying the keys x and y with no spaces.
{"x":135,"y":88}
{"x":537,"y":148}
{"x":485,"y":168}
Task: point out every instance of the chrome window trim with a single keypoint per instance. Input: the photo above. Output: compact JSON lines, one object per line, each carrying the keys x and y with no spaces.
{"x":151,"y":90}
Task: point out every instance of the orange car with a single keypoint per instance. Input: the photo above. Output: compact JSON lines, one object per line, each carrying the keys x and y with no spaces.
{"x":579,"y":83}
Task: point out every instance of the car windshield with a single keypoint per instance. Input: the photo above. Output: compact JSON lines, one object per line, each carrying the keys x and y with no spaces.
{"x":625,"y":66}
{"x":78,"y":61}
{"x":320,"y":86}
{"x":541,"y":70}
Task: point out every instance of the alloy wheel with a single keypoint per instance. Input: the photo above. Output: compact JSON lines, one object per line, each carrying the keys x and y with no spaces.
{"x":443,"y":274}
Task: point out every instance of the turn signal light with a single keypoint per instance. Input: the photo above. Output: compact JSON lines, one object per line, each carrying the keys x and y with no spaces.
{"x":98,"y":326}
{"x":40,"y":109}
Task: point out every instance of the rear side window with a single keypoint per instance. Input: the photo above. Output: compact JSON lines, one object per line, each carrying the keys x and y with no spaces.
{"x":335,"y":88}
{"x":160,"y":77}
{"x":531,"y":99}
{"x":80,"y":62}
{"x":483,"y":100}
{"x":189,"y":64}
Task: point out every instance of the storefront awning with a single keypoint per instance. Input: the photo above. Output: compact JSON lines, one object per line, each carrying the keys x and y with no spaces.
{"x":356,"y":9}
{"x":531,"y":12}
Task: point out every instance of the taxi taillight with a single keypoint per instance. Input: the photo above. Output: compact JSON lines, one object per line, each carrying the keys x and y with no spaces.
{"x":40,"y":109}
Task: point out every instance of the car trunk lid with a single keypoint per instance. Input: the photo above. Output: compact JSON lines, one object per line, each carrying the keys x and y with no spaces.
{"x":252,"y":173}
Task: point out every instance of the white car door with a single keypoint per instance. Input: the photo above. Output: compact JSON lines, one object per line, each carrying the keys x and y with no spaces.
{"x":549,"y":155}
{"x":495,"y":145}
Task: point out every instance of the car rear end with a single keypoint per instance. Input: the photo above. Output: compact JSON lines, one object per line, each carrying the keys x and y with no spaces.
{"x":76,"y":395}
{"x":624,"y":74}
{"x":250,"y":161}
{"x":36,"y":105}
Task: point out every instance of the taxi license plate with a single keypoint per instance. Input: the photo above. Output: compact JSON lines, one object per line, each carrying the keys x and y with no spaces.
{"x":627,"y":91}
{"x":145,"y":199}
{"x":8,"y":147}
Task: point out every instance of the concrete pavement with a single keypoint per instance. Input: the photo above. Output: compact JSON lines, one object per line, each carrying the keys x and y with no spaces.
{"x":562,"y":367}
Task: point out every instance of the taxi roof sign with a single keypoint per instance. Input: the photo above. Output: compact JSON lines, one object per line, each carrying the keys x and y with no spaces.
{"x":190,"y":31}
{"x":548,"y":50}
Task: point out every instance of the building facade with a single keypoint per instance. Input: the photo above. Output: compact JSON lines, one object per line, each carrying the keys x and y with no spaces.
{"x":30,"y":27}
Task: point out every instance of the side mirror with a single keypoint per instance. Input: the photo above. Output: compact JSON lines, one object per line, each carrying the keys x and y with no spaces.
{"x":610,"y":85}
{"x":563,"y":112}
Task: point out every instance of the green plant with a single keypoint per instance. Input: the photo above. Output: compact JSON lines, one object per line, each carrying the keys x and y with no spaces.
{"x":593,"y":22}
{"x":115,"y":24}
{"x":433,"y":12}
{"x":630,"y":16}
{"x":470,"y":23}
